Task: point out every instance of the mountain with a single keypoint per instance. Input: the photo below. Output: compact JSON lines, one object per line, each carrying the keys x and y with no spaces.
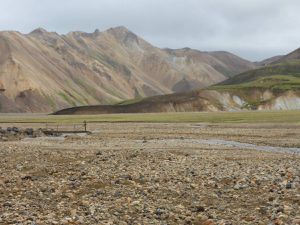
{"x":268,"y":61}
{"x":44,"y":71}
{"x":289,"y":58}
{"x":272,"y":87}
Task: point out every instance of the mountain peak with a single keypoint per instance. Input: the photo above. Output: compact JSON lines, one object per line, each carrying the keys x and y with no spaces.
{"x":39,"y":31}
{"x":120,"y":29}
{"x":124,"y":35}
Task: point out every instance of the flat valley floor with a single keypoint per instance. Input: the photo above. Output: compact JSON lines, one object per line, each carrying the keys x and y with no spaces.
{"x":154,"y":173}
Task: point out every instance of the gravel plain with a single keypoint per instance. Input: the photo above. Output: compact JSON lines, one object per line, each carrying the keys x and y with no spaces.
{"x":152,"y":173}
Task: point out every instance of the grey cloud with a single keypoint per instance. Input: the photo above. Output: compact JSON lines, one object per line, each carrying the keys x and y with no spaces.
{"x":254,"y":29}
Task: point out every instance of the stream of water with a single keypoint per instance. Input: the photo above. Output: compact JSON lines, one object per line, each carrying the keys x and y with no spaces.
{"x":236,"y":144}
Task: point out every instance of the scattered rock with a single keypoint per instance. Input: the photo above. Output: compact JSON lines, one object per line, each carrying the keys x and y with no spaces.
{"x":289,"y":185}
{"x":29,"y":131}
{"x":167,"y":181}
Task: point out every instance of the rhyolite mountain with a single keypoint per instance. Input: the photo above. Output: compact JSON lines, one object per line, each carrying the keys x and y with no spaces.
{"x":275,"y":86}
{"x":44,"y":71}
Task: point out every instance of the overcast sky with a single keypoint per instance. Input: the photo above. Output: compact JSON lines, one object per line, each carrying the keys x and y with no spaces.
{"x":253,"y":29}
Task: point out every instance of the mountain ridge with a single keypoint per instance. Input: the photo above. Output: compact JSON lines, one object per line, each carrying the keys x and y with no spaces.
{"x":45,"y":71}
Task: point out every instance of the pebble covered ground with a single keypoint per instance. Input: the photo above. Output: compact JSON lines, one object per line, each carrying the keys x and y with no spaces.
{"x":136,"y":173}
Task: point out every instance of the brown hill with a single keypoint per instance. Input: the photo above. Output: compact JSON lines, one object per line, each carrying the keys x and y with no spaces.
{"x":289,"y":58}
{"x":201,"y":100}
{"x":43,"y":71}
{"x":269,"y":61}
{"x":180,"y":102}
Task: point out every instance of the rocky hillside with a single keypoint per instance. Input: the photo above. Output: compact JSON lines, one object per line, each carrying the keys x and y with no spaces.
{"x":289,"y":58}
{"x":44,"y":71}
{"x":273,"y":87}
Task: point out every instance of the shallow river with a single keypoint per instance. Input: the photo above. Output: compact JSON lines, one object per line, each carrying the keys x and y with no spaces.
{"x":236,"y":144}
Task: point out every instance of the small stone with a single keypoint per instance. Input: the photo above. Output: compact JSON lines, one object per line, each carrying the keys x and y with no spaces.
{"x":287,"y":209}
{"x":28,"y":177}
{"x":29,"y":131}
{"x":249,"y":218}
{"x":289,"y":185}
{"x":237,"y":187}
{"x":7,"y":204}
{"x":278,"y":222}
{"x":263,"y":210}
{"x":98,"y":153}
{"x":135,"y":203}
{"x":15,"y":129}
{"x":271,"y":199}
{"x":206,"y":222}
{"x":4,"y":138}
{"x":160,"y":211}
{"x":73,"y":212}
{"x":197,"y":208}
{"x":296,"y":221}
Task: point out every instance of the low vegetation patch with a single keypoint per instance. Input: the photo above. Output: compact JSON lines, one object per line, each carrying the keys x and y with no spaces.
{"x":191,"y":117}
{"x":67,"y":98}
{"x":253,"y":105}
{"x":277,"y":83}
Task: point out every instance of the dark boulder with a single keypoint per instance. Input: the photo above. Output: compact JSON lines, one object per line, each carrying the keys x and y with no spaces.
{"x":29,"y":131}
{"x":15,"y":129}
